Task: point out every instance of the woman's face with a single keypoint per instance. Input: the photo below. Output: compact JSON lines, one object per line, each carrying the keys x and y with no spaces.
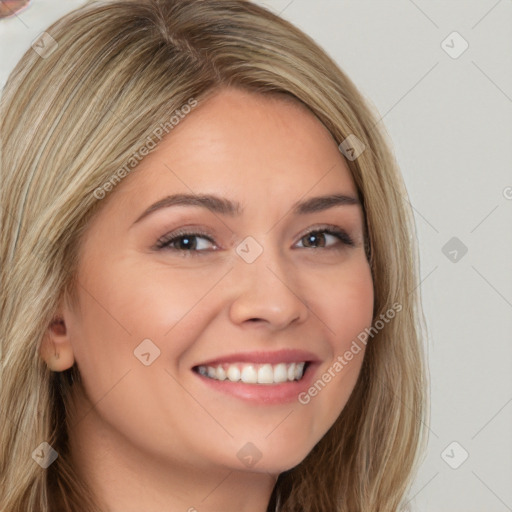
{"x":262,"y":289}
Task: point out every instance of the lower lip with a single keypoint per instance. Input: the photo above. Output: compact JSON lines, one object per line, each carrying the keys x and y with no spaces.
{"x":268,"y":394}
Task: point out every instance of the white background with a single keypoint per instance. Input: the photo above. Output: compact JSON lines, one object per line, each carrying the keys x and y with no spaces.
{"x":450,"y":120}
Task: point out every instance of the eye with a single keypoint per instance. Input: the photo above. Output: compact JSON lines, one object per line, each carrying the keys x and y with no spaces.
{"x":185,"y":242}
{"x":188,"y":243}
{"x":318,"y":238}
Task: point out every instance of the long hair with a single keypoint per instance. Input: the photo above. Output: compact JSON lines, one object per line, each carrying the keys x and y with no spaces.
{"x":73,"y":112}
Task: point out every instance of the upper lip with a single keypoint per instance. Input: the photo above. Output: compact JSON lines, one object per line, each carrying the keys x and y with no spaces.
{"x":262,"y":357}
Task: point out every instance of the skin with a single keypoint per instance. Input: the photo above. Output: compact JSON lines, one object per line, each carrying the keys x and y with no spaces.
{"x":156,"y":437}
{"x":11,"y":7}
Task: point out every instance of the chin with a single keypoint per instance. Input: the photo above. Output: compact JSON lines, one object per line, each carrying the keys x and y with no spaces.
{"x":279,"y":461}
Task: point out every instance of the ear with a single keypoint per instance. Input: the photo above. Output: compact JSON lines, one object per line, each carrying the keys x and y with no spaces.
{"x":56,"y":349}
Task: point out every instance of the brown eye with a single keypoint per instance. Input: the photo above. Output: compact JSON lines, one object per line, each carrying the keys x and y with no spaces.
{"x":185,"y":242}
{"x":317,"y":238}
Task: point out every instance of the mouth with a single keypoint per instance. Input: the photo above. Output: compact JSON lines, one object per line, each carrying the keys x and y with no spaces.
{"x":265,"y":378}
{"x":250,"y":373}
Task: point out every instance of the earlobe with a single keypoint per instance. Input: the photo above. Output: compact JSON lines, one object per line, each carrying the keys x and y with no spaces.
{"x":56,"y":349}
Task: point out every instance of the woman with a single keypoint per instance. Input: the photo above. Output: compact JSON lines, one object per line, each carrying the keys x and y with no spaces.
{"x":208,"y":273}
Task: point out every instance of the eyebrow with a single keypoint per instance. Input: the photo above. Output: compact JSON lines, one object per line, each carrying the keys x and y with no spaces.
{"x":224,"y":206}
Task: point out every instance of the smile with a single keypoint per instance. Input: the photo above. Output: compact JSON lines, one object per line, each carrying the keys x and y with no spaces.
{"x":254,"y":373}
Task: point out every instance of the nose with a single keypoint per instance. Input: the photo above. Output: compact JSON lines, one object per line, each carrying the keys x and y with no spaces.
{"x":266,"y":293}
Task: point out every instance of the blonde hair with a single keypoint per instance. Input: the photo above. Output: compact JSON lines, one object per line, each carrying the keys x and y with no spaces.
{"x":71,"y":118}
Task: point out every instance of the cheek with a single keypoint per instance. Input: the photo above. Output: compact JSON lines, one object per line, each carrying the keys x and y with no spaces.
{"x":350,"y":314}
{"x":346,"y":304}
{"x":126,"y":305}
{"x":166,"y":302}
{"x":346,"y":309}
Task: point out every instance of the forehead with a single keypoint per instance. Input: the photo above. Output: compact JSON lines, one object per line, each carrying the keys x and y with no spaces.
{"x":264,"y":151}
{"x":249,"y":136}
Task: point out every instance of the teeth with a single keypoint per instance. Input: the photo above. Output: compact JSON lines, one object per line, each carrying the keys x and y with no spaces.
{"x":233,"y":373}
{"x":249,"y":374}
{"x":254,"y":373}
{"x":299,"y":370}
{"x":291,"y":371}
{"x":266,"y":374}
{"x":281,"y":373}
{"x":221,"y":373}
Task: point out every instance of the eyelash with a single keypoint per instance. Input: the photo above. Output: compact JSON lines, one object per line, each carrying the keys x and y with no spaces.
{"x":165,"y":242}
